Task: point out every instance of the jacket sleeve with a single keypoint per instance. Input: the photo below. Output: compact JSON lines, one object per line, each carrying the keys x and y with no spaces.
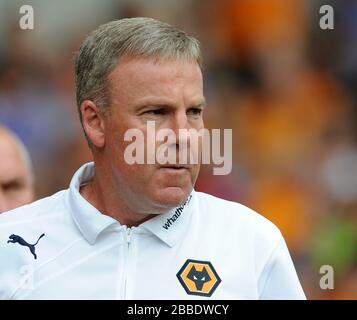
{"x":278,"y":279}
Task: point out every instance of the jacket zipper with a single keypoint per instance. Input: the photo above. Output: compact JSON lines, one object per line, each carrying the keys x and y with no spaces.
{"x":128,"y":233}
{"x":128,"y":236}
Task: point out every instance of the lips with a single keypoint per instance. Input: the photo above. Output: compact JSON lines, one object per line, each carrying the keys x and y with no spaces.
{"x":175,"y":166}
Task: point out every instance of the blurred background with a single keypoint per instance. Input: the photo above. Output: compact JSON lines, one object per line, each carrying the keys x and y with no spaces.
{"x":287,"y":88}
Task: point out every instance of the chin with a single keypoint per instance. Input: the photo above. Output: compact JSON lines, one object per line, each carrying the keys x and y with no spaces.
{"x":172,"y":197}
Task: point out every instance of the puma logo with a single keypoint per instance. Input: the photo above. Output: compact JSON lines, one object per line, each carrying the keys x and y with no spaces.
{"x":17,"y":239}
{"x":199,"y":277}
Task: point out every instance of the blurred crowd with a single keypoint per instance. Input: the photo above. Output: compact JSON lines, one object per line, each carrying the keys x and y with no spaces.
{"x":285,"y":87}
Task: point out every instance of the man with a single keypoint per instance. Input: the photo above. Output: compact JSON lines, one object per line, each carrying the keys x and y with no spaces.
{"x":16,"y":178}
{"x":140,"y":231}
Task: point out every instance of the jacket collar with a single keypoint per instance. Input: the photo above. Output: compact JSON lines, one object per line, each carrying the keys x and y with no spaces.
{"x":169,"y":227}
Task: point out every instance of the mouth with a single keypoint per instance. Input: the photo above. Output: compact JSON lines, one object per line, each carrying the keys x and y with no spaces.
{"x":176,"y":167}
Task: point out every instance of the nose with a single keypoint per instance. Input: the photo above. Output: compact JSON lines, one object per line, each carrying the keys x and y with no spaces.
{"x":180,"y":122}
{"x":187,"y":145}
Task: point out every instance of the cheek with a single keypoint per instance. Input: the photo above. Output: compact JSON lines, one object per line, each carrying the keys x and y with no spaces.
{"x":21,"y":197}
{"x":115,"y":133}
{"x":28,"y":195}
{"x":115,"y":144}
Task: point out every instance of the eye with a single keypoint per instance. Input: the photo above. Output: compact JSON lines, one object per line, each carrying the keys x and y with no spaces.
{"x":194,"y":278}
{"x":155,"y":112}
{"x":12,"y":186}
{"x":194,"y":111}
{"x":203,"y":278}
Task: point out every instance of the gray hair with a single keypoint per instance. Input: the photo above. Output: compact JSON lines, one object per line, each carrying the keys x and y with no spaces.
{"x":134,"y":37}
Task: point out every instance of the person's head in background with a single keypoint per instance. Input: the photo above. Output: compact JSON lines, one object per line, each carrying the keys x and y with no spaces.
{"x":16,"y":177}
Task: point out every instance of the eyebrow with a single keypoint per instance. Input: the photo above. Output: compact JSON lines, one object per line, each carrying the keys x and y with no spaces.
{"x":200,"y":104}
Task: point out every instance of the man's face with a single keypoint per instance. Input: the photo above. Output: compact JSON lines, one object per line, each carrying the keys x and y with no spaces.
{"x":15,"y":183}
{"x":170,"y":94}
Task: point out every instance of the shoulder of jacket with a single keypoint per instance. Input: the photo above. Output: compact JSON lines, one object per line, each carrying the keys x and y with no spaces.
{"x":236,"y":213}
{"x":45,"y":207}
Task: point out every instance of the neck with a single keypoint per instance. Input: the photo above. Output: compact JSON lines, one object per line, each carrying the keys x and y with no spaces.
{"x":110,"y":203}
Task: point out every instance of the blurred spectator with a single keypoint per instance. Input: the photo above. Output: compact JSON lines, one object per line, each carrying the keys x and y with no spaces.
{"x":16,"y":176}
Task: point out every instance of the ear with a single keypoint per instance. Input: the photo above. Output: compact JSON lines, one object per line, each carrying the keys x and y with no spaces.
{"x":93,"y":123}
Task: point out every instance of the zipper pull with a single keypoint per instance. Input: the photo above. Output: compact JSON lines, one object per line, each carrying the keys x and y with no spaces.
{"x":128,"y":235}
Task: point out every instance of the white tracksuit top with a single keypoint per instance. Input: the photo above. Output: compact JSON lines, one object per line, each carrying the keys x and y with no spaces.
{"x":61,"y":247}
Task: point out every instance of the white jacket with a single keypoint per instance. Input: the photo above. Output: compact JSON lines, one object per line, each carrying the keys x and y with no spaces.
{"x":61,"y":247}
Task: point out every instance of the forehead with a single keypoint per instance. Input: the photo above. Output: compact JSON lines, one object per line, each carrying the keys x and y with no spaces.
{"x":139,"y":77}
{"x":11,"y":163}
